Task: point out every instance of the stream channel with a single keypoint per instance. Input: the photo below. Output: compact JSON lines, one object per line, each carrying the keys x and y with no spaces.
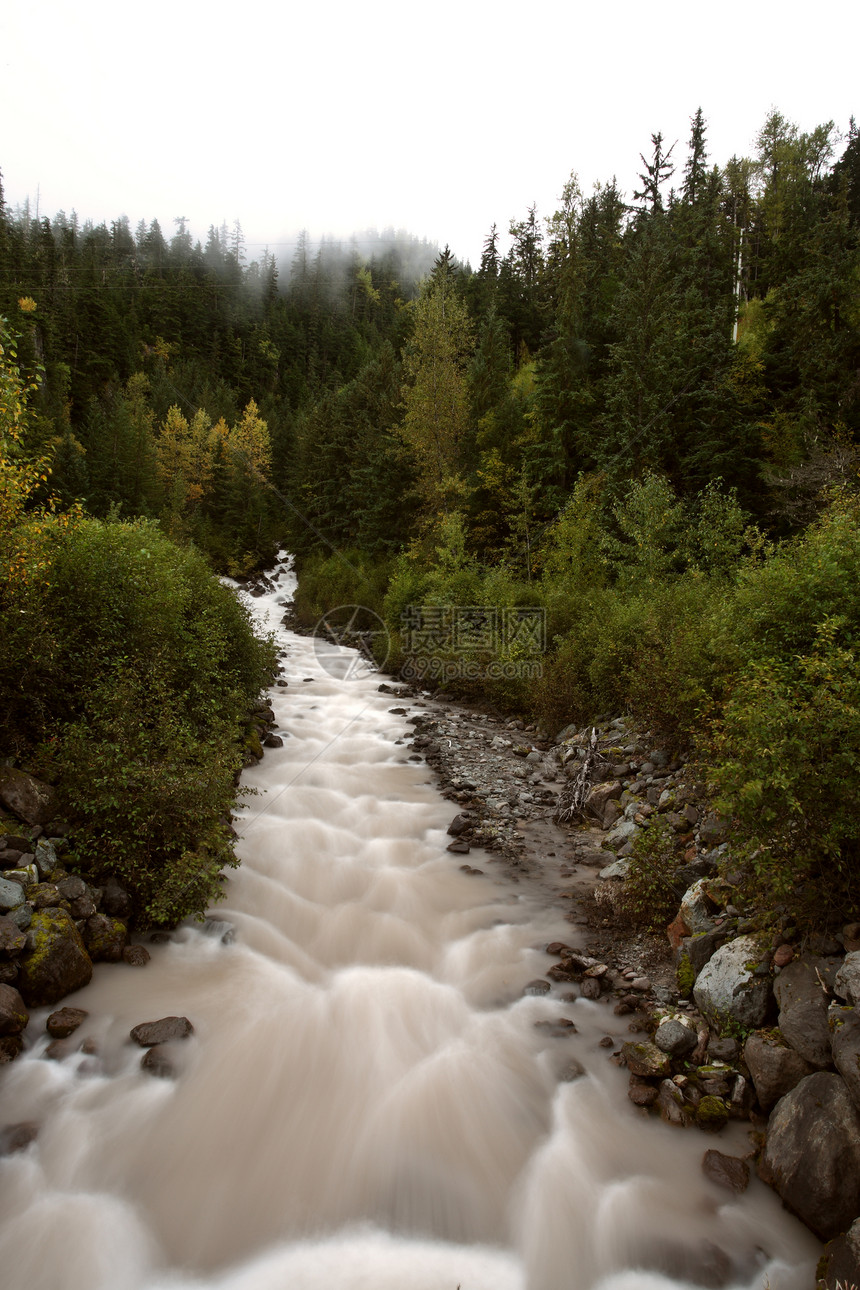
{"x":367,"y":1102}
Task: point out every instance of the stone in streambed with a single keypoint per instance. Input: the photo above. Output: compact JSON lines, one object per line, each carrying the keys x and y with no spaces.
{"x":135,"y":955}
{"x":105,"y":938}
{"x":150,"y":1033}
{"x":65,"y":1022}
{"x":646,"y":1059}
{"x":17,"y":1137}
{"x":726,"y":1171}
{"x":156,"y":1061}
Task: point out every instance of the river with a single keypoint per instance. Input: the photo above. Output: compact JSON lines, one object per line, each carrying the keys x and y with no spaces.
{"x":366,"y":1103}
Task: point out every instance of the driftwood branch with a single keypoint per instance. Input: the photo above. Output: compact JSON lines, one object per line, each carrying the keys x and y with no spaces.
{"x":571,"y":802}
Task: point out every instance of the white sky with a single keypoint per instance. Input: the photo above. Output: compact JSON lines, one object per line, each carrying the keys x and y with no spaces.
{"x":338,"y":116}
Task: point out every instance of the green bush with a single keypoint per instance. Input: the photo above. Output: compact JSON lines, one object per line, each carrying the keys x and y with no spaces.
{"x":786,"y":761}
{"x":140,"y":668}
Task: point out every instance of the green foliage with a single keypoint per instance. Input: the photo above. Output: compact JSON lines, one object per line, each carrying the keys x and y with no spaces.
{"x":786,"y":762}
{"x":650,"y":893}
{"x":137,"y":668}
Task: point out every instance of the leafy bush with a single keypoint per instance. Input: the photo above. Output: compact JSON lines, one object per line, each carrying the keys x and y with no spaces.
{"x":137,"y":668}
{"x":786,"y":758}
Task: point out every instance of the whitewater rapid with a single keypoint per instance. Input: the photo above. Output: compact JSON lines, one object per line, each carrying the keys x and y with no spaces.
{"x":366,"y":1103}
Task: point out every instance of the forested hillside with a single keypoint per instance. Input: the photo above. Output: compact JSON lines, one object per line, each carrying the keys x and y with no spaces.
{"x":638,"y":414}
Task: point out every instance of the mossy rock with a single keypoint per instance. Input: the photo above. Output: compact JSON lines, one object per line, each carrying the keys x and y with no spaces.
{"x":56,"y":962}
{"x":685,"y":976}
{"x":712,"y":1114}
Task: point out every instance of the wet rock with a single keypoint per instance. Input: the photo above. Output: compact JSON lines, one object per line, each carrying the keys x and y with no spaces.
{"x":157,"y":1061}
{"x":646,"y":1059}
{"x":537,"y":987}
{"x":135,"y":955}
{"x":460,"y":824}
{"x":26,"y":796}
{"x":590,"y":988}
{"x":459,"y":847}
{"x":14,"y":1016}
{"x":775,"y":1069}
{"x":571,"y":1071}
{"x":65,"y":1022}
{"x":729,"y":991}
{"x":675,"y":1038}
{"x":56,"y":961}
{"x":273,"y":741}
{"x":812,"y":1154}
{"x":150,"y":1033}
{"x":10,"y":1047}
{"x":840,"y":1264}
{"x":641,"y":1093}
{"x":105,"y":938}
{"x":17,"y":1137}
{"x":726,"y":1171}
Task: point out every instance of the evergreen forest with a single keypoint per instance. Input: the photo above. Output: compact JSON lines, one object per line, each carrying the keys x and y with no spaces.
{"x":639,"y":413}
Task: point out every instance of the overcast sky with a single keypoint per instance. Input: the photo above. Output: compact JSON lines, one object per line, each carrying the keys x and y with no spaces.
{"x":440,"y":118}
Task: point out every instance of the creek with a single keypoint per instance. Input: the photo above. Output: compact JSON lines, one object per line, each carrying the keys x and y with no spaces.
{"x":367,"y":1102}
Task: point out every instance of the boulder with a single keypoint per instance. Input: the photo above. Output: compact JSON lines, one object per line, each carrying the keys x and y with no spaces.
{"x":840,"y":1264}
{"x":135,"y":955}
{"x":105,"y":938}
{"x":150,"y":1033}
{"x":812,"y":1154}
{"x":56,"y":962}
{"x":13,"y":1013}
{"x":157,"y":1061}
{"x":775,"y":1069}
{"x":846,"y":1050}
{"x":46,"y":857}
{"x":11,"y":895}
{"x":847,"y":983}
{"x":803,"y":1007}
{"x":730,"y":990}
{"x":27,"y":797}
{"x":697,"y":910}
{"x":600,"y":796}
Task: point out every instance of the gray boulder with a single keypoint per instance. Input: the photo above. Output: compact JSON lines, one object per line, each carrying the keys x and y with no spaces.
{"x":803,"y":1007}
{"x":46,"y":857}
{"x":847,"y":982}
{"x":56,"y":962}
{"x":731,"y":989}
{"x":675,"y":1038}
{"x":846,"y":1049}
{"x":26,"y":796}
{"x":11,"y":895}
{"x":775,"y":1069}
{"x":697,"y":911}
{"x":812,"y":1154}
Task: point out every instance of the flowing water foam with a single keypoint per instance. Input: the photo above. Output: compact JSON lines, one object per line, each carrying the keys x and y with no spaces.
{"x":366,"y":1103}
